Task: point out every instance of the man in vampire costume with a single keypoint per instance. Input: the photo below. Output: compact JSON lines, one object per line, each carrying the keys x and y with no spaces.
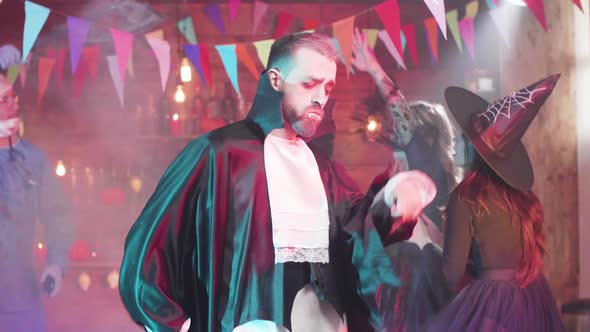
{"x":249,"y":229}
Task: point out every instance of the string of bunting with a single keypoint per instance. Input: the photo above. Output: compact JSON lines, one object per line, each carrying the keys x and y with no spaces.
{"x":395,"y":38}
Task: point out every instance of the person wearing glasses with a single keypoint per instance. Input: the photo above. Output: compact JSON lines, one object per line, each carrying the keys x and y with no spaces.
{"x":29,"y":192}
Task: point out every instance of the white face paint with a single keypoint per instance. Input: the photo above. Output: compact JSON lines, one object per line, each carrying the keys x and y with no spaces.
{"x":8,"y":127}
{"x":307,"y":87}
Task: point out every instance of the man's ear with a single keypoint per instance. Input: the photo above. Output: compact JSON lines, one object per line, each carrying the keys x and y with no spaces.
{"x":274,"y":78}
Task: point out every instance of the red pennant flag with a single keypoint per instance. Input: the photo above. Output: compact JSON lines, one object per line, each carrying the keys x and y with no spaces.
{"x":246,"y":59}
{"x":389,"y":14}
{"x":432,"y":34}
{"x":310,"y":24}
{"x":44,"y":67}
{"x":536,"y":6}
{"x":60,"y":66}
{"x":91,"y":56}
{"x":579,"y":4}
{"x":205,"y":65}
{"x":80,"y":77}
{"x":410,"y":34}
{"x":283,"y":22}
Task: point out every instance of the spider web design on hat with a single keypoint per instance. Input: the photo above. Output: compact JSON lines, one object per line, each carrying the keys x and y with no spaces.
{"x":503,"y":107}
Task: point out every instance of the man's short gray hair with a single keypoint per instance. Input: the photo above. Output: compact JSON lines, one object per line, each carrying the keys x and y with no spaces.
{"x":287,"y":45}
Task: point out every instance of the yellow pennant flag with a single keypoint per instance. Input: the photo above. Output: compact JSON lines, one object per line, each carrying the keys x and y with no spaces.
{"x":343,"y":33}
{"x":371,"y":37}
{"x":12,"y":73}
{"x":157,"y":34}
{"x":471,"y":9}
{"x":263,"y":50}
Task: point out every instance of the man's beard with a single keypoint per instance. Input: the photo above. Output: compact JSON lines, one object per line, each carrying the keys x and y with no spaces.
{"x":303,"y":125}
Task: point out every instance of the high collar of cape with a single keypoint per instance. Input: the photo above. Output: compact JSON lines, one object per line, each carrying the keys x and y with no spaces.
{"x":266,"y":111}
{"x":266,"y":108}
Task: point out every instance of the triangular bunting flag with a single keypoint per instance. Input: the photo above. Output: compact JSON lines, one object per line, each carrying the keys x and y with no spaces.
{"x":579,"y":4}
{"x":60,"y":65}
{"x":44,"y":66}
{"x":432,"y":36}
{"x":23,"y":75}
{"x":343,"y":33}
{"x":404,"y":42}
{"x":35,"y":17}
{"x":538,"y":9}
{"x":263,"y":50}
{"x":452,"y":17}
{"x":384,"y":36}
{"x":12,"y":73}
{"x":130,"y":69}
{"x":114,"y":66}
{"x":187,"y":29}
{"x":161,"y":49}
{"x":123,"y":43}
{"x":80,"y":76}
{"x":228,"y":57}
{"x":245,"y":58}
{"x":471,"y":9}
{"x":437,"y":8}
{"x":77,"y":32}
{"x":310,"y":25}
{"x":212,"y":11}
{"x":410,"y":33}
{"x":193,"y":53}
{"x":206,"y":65}
{"x":491,"y":4}
{"x":260,"y":9}
{"x":466,"y":28}
{"x":156,"y":34}
{"x":371,"y":37}
{"x":91,"y":56}
{"x":283,"y":22}
{"x":389,"y":14}
{"x":501,"y":21}
{"x":234,"y":5}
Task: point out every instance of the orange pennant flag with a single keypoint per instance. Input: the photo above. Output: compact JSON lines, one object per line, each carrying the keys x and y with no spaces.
{"x":343,"y":33}
{"x":44,"y":71}
{"x":245,"y":58}
{"x":432,"y":33}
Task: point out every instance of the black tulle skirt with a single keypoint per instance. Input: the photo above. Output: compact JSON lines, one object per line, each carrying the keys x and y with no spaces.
{"x":494,"y":305}
{"x":423,"y":292}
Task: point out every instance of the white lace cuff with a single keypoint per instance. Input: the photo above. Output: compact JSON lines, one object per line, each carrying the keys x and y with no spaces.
{"x":300,"y":255}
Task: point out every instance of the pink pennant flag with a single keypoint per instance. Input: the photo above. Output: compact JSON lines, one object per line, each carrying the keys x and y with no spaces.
{"x":260,"y":9}
{"x":44,"y":71}
{"x":410,"y":34}
{"x":114,"y":65}
{"x":234,"y":5}
{"x":579,"y":4}
{"x":432,"y":34}
{"x":466,"y":28}
{"x":389,"y":14}
{"x":343,"y":33}
{"x":123,"y":43}
{"x":161,"y":49}
{"x":538,"y":9}
{"x":384,"y":36}
{"x":437,"y":8}
{"x":283,"y":22}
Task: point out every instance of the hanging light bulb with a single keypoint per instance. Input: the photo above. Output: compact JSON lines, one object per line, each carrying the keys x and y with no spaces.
{"x":185,"y":70}
{"x":179,"y":95}
{"x":372,"y":125}
{"x":175,"y":117}
{"x":60,"y":170}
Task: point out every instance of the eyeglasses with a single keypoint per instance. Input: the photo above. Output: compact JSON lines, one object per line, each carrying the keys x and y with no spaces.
{"x":9,"y":100}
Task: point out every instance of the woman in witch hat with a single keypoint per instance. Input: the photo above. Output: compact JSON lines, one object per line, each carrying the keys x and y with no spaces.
{"x":493,"y":219}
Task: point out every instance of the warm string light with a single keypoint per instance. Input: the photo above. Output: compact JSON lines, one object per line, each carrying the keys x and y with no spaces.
{"x":60,"y":170}
{"x":185,"y":70}
{"x":179,"y":95}
{"x":372,"y":125}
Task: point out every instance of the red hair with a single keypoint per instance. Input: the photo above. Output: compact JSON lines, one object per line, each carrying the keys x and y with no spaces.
{"x":523,"y":207}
